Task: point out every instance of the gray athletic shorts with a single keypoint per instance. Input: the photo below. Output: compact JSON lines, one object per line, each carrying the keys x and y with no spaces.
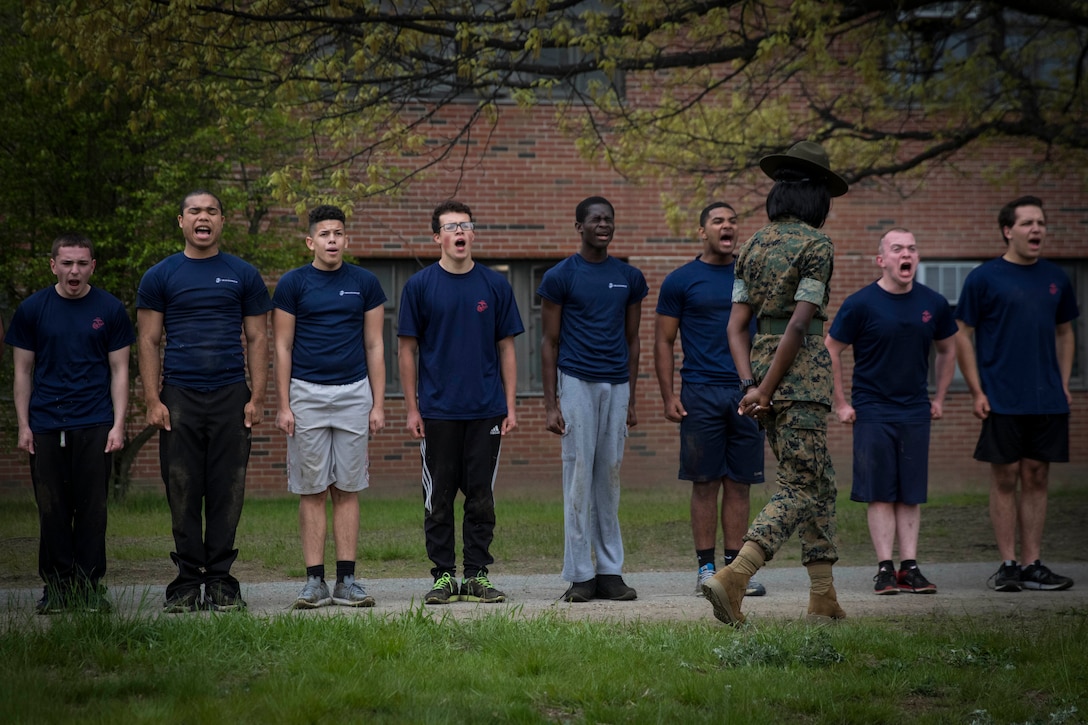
{"x":329,"y":447}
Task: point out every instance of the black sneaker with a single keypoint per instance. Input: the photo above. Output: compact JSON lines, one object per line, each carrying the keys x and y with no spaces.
{"x":184,"y":601}
{"x":479,"y":589}
{"x":92,"y":598}
{"x":612,"y":586}
{"x":444,"y":590}
{"x":580,"y":591}
{"x":52,"y":601}
{"x":911,"y":580}
{"x":1005,"y":579}
{"x":219,"y":597}
{"x":886,"y":582}
{"x":1039,"y":577}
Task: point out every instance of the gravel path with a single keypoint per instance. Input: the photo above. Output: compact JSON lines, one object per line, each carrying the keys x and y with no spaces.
{"x":962,"y":590}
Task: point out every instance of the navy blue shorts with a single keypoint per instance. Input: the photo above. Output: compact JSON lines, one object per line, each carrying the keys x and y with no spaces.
{"x":891,"y":462}
{"x":1008,"y":438}
{"x":715,"y":441}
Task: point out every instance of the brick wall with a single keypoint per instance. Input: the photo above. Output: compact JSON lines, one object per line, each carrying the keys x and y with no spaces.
{"x":523,"y":190}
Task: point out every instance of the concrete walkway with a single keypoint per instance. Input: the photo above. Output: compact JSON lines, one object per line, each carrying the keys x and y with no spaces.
{"x":667,"y":596}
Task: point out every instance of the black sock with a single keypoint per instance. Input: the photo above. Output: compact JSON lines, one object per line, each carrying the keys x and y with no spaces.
{"x":318,"y":571}
{"x":344,"y":569}
{"x":728,"y":555}
{"x":886,"y":564}
{"x":908,"y":564}
{"x":705,"y":556}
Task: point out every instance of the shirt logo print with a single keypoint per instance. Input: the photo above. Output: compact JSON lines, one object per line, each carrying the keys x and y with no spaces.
{"x":97,"y":323}
{"x":1053,"y":288}
{"x":616,"y":285}
{"x":927,"y":316}
{"x":348,"y":292}
{"x":220,"y":280}
{"x":481,"y":306}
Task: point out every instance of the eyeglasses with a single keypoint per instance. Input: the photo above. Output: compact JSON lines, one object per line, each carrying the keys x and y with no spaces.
{"x":453,"y":226}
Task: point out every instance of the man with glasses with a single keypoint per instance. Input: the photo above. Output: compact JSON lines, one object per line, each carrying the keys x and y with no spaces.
{"x":460,"y":319}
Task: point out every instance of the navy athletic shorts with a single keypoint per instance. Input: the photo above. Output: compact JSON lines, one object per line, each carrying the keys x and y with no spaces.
{"x":891,"y":462}
{"x":715,"y":441}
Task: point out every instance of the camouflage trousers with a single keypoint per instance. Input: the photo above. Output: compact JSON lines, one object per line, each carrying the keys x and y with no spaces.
{"x":805,"y":501}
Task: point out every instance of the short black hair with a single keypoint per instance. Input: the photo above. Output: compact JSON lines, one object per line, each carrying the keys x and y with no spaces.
{"x":71,"y":239}
{"x":583,"y":207}
{"x":446,"y":207}
{"x":199,"y":192}
{"x":705,"y":213}
{"x":795,"y":194}
{"x":326,"y":212}
{"x":1007,"y":216}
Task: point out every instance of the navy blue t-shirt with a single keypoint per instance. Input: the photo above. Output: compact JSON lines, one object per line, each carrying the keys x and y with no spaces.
{"x":203,"y":302}
{"x":1015,"y":310}
{"x":594,"y":297}
{"x":71,"y":341}
{"x":892,"y":335}
{"x":329,"y":309}
{"x":457,"y":320}
{"x":700,"y":295}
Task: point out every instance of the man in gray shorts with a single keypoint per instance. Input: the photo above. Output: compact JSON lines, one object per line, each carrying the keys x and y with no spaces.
{"x":330,"y":393}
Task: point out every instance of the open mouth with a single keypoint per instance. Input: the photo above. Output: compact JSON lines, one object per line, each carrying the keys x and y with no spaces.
{"x":202,"y":231}
{"x":460,"y":243}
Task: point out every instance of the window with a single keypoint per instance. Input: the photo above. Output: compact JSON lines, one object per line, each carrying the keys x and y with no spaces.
{"x":947,"y":278}
{"x":524,"y":276}
{"x":944,"y":49}
{"x":496,"y":72}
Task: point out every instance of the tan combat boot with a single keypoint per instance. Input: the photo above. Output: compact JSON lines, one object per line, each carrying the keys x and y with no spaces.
{"x":823,"y":605}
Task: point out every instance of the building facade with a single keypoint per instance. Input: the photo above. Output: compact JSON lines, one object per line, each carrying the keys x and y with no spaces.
{"x":523,"y":187}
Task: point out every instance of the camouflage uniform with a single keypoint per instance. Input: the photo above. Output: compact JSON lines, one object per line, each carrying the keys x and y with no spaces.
{"x":783,"y":263}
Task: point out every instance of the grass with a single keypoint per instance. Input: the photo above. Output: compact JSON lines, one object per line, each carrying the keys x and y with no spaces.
{"x":528,"y":537}
{"x":419,"y":664}
{"x":416,"y":665}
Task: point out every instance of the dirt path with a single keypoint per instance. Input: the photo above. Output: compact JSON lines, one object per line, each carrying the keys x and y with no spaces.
{"x":667,"y":596}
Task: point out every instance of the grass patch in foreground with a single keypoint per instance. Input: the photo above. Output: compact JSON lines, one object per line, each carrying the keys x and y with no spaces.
{"x":503,"y":668}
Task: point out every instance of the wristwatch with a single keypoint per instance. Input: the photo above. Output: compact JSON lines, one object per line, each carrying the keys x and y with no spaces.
{"x":747,"y":383}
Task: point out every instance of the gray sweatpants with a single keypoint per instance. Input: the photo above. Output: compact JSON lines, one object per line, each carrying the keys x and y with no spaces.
{"x":596,"y":420}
